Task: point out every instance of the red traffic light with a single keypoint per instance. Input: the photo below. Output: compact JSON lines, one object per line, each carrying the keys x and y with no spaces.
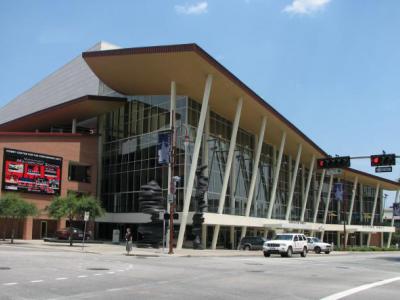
{"x":383,"y":160}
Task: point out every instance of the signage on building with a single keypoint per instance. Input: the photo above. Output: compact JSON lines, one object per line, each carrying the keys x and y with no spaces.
{"x":31,"y":172}
{"x":330,"y":172}
{"x":338,"y":190}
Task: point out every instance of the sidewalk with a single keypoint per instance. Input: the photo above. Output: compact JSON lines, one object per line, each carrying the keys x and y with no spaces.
{"x":112,"y":249}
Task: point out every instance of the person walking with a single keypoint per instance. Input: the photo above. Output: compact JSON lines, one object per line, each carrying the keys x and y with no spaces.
{"x":128,"y":238}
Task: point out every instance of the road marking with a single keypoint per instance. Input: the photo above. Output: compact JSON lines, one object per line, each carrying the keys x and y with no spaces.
{"x":114,"y":290}
{"x":121,"y":270}
{"x":35,"y":281}
{"x":10,"y":283}
{"x":61,"y":278}
{"x":98,"y":274}
{"x":360,"y":289}
{"x":82,"y":276}
{"x":111,"y":272}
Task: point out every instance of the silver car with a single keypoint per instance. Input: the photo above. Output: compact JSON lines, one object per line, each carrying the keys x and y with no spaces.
{"x":316,"y":245}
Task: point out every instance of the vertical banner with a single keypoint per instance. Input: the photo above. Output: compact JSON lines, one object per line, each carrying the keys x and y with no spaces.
{"x":164,"y":147}
{"x":338,"y":190}
{"x":396,"y":209}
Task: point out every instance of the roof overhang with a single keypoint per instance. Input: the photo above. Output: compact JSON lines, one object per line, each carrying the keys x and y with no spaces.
{"x":150,"y":70}
{"x":81,"y":109}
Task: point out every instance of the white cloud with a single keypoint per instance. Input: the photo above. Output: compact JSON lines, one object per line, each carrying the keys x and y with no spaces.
{"x":192,"y":9}
{"x":305,"y":7}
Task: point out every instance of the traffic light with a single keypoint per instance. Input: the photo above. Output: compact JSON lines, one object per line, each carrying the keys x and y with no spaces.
{"x":333,"y":162}
{"x":383,"y":160}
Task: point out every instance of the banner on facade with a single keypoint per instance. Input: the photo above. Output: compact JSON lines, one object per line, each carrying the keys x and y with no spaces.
{"x":31,"y":172}
{"x":396,"y":209}
{"x":338,"y":190}
{"x":164,"y":148}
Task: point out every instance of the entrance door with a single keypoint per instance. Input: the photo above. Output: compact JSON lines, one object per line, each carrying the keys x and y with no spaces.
{"x":43,"y":229}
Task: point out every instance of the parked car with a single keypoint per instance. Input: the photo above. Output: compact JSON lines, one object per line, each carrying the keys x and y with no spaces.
{"x":316,"y":245}
{"x":286,"y":244}
{"x":252,"y":243}
{"x":77,"y":234}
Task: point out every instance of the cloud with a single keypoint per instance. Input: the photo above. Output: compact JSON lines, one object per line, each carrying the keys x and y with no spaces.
{"x":194,"y":9}
{"x":305,"y":7}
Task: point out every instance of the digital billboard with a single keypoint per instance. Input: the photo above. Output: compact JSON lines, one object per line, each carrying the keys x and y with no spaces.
{"x":31,"y":172}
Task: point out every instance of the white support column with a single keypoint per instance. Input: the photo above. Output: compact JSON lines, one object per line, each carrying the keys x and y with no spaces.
{"x":293,"y":184}
{"x":353,"y":196}
{"x":328,"y":198}
{"x":73,"y":130}
{"x":204,"y":162}
{"x":172,"y":108}
{"x":396,"y":200}
{"x":255,"y":171}
{"x":195,"y":157}
{"x":305,"y":197}
{"x":373,"y":211}
{"x":276,"y":176}
{"x":231,"y":152}
{"x":321,"y":184}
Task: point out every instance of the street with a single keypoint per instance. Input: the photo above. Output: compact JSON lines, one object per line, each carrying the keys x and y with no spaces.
{"x":34,"y":273}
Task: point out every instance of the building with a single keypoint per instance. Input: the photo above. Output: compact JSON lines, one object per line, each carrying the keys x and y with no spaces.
{"x":102,"y":113}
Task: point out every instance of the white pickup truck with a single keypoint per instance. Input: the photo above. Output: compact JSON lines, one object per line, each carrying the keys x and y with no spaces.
{"x":286,"y":244}
{"x":316,"y":245}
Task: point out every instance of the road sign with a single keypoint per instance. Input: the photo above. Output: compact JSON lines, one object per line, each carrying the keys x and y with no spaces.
{"x":383,"y":169}
{"x":87,"y":215}
{"x":330,"y":172}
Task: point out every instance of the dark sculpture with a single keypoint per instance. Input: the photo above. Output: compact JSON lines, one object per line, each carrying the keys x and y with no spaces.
{"x":200,"y":206}
{"x":151,"y":202}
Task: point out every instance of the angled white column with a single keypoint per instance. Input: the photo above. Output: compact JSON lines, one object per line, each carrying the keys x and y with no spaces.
{"x":328,"y":200}
{"x":305,"y":197}
{"x":172,"y":109}
{"x":195,"y":157}
{"x":293,"y":184}
{"x":396,"y":200}
{"x":353,"y":196}
{"x":321,"y":184}
{"x":276,"y":176}
{"x":373,"y":212}
{"x":255,"y":171}
{"x":228,"y":167}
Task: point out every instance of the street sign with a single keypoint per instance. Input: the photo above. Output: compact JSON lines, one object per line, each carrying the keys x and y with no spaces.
{"x":87,"y":215}
{"x":330,"y":172}
{"x":383,"y":169}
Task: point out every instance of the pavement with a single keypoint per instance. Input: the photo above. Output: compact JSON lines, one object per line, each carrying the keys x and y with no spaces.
{"x":38,"y":270}
{"x":109,"y":248}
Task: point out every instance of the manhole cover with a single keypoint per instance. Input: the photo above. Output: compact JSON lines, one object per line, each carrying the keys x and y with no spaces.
{"x":5,"y":268}
{"x":97,"y":269}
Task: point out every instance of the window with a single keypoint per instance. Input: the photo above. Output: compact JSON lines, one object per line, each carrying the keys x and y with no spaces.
{"x":78,"y":172}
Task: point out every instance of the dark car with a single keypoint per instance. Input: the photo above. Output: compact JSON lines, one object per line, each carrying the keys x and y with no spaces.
{"x":252,"y":243}
{"x":77,"y":234}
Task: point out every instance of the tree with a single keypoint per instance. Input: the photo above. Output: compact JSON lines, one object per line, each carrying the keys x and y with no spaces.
{"x":13,"y":207}
{"x":73,"y":208}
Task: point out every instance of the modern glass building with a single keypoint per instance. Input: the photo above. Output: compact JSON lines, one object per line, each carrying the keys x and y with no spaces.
{"x":261,"y":168}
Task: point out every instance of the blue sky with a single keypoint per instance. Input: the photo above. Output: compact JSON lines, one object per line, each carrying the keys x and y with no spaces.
{"x":332,"y":67}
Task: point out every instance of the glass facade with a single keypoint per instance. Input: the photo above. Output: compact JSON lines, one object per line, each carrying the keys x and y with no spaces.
{"x":130,"y":160}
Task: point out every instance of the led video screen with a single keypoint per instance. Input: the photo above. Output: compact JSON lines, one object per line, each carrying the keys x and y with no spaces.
{"x":31,"y":172}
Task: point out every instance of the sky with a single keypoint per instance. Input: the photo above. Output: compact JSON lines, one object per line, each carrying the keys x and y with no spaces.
{"x":331,"y":67}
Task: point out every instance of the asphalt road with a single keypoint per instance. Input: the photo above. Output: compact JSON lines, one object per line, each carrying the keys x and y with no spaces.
{"x":56,"y":274}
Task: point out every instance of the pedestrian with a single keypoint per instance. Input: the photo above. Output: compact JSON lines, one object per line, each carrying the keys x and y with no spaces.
{"x":128,"y":238}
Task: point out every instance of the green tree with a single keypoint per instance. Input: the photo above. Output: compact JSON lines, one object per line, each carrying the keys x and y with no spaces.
{"x":73,"y":208}
{"x":13,"y":207}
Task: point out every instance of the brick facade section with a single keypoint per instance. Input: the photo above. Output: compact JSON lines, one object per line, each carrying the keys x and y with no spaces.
{"x":72,"y":148}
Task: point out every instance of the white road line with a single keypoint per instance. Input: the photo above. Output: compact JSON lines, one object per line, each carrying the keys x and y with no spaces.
{"x":61,"y":278}
{"x":111,"y":272}
{"x":360,"y":289}
{"x":35,"y":281}
{"x":98,"y":274}
{"x":114,"y":290}
{"x":10,"y":283}
{"x":121,"y":270}
{"x":82,"y":276}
